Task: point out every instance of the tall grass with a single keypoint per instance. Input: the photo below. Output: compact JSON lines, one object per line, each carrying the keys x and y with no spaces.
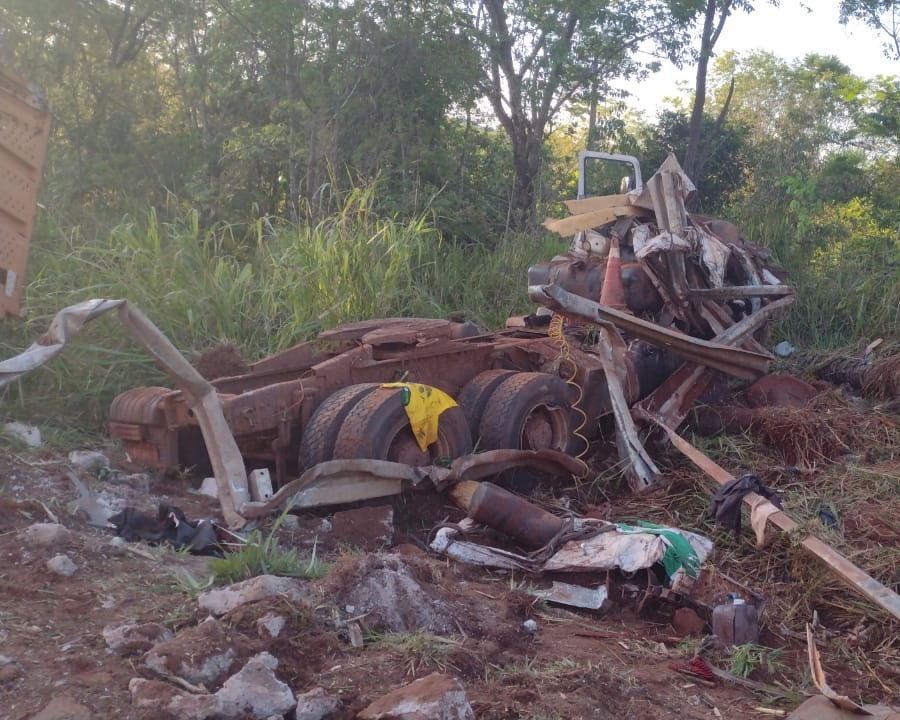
{"x":265,"y":286}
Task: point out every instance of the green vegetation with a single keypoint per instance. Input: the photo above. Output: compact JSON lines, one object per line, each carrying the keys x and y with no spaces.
{"x":744,"y":659}
{"x":254,"y":172}
{"x":265,"y":285}
{"x":262,"y":554}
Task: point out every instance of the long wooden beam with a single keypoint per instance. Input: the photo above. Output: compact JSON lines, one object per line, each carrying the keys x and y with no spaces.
{"x":855,"y":577}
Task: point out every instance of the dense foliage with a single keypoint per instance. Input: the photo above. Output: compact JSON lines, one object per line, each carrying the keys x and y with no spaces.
{"x":253,"y":170}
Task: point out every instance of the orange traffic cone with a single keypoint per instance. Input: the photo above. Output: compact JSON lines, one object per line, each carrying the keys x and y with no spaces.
{"x":612,"y":294}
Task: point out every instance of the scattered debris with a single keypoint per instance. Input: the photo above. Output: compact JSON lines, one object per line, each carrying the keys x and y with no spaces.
{"x":725,"y":506}
{"x":28,"y":434}
{"x":735,"y":623}
{"x":88,"y":460}
{"x":831,"y":705}
{"x":170,"y":525}
{"x":783,"y":349}
{"x":574,"y":595}
{"x":883,"y":597}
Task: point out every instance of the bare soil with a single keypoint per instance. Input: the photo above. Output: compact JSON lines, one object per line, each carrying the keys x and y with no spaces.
{"x":578,"y":664}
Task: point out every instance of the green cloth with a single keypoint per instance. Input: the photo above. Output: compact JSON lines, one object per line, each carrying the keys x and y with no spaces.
{"x":679,"y":552}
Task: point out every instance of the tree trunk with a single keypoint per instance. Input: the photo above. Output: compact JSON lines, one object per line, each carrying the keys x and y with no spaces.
{"x":712,"y":28}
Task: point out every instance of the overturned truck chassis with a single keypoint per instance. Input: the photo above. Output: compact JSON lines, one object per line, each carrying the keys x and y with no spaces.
{"x":685,"y":301}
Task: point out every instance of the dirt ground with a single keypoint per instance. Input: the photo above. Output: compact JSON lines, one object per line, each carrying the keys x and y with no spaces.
{"x":577,"y":664}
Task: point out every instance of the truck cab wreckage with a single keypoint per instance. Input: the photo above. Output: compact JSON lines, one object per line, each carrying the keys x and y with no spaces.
{"x":684,"y":306}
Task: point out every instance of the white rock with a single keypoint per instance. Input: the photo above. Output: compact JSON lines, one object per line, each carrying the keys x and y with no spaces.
{"x":88,"y":459}
{"x":61,"y":565}
{"x":316,"y":704}
{"x":116,"y":545}
{"x":133,"y":638}
{"x":270,"y":625}
{"x":222,"y":600}
{"x":209,"y":487}
{"x":255,"y":691}
{"x":28,"y":434}
{"x":47,"y":534}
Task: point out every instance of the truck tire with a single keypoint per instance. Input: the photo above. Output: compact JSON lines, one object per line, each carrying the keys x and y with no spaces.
{"x":321,"y":432}
{"x":378,"y":427}
{"x":475,"y":394}
{"x":527,"y":411}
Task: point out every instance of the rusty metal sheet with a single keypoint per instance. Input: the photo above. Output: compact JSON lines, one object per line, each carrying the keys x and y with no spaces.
{"x":743,"y":291}
{"x":228,"y":465}
{"x":493,"y":462}
{"x":24,"y":135}
{"x":337,"y":482}
{"x":573,"y":595}
{"x":608,"y":549}
{"x":356,"y":331}
{"x":734,"y":361}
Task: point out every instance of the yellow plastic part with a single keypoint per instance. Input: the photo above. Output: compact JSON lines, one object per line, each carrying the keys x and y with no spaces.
{"x":425,"y":406}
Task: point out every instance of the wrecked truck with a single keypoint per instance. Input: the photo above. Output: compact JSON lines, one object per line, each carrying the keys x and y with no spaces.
{"x":646,"y":308}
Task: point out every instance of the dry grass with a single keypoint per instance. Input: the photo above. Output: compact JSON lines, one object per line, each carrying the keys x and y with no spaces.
{"x":823,"y":432}
{"x":833,"y":458}
{"x":883,"y":380}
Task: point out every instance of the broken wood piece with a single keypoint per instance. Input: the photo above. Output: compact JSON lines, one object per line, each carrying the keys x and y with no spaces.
{"x":598,"y":202}
{"x":855,"y":577}
{"x":642,"y":472}
{"x":576,"y":223}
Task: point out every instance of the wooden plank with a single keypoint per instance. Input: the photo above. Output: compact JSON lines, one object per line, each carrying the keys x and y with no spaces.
{"x":599,"y":202}
{"x":575,"y":223}
{"x":855,"y":577}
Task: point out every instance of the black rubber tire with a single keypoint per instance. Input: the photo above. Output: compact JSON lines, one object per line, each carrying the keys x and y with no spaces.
{"x":378,"y":427}
{"x":475,"y":394}
{"x":527,"y":411}
{"x":321,"y":432}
